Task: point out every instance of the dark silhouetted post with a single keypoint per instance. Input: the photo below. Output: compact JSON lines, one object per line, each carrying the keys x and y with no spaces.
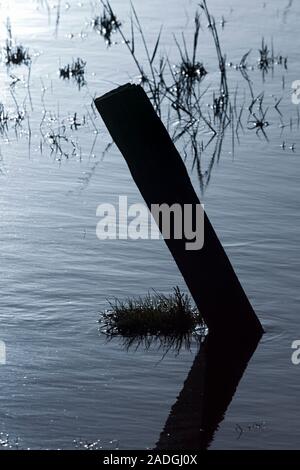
{"x":161,"y":177}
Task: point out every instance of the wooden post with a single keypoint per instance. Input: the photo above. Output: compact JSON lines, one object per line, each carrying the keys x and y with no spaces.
{"x":161,"y":177}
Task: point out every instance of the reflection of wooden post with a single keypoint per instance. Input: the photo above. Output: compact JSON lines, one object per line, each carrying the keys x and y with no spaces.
{"x":161,"y":177}
{"x":206,"y":394}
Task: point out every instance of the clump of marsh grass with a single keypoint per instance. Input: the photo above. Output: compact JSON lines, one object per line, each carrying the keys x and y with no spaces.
{"x":191,"y":71}
{"x":15,"y":54}
{"x":106,"y":24}
{"x":172,"y":321}
{"x":76,"y":70}
{"x":267,"y":58}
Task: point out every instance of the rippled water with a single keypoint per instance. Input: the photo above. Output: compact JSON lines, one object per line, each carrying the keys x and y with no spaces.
{"x":63,"y":383}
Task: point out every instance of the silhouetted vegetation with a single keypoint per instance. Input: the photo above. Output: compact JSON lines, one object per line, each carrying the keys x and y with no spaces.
{"x":193,"y":98}
{"x":106,"y":24}
{"x":75,"y":70}
{"x":15,"y":54}
{"x":171,"y":320}
{"x":267,"y":59}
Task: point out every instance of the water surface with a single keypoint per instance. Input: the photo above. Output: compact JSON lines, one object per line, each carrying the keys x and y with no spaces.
{"x":63,"y":382}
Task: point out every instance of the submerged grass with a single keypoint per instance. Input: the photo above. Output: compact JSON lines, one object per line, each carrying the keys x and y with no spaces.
{"x":15,"y":54}
{"x":179,"y":88}
{"x":197,"y":110}
{"x":172,"y":321}
{"x":106,"y":24}
{"x":267,"y":59}
{"x":198,"y":113}
{"x":76,"y":70}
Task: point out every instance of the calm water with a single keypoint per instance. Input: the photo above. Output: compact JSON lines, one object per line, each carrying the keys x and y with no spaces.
{"x":63,"y":383}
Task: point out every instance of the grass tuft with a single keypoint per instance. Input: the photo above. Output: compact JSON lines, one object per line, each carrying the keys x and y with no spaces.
{"x":106,"y":24}
{"x":75,"y":70}
{"x":171,"y":320}
{"x":15,"y":54}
